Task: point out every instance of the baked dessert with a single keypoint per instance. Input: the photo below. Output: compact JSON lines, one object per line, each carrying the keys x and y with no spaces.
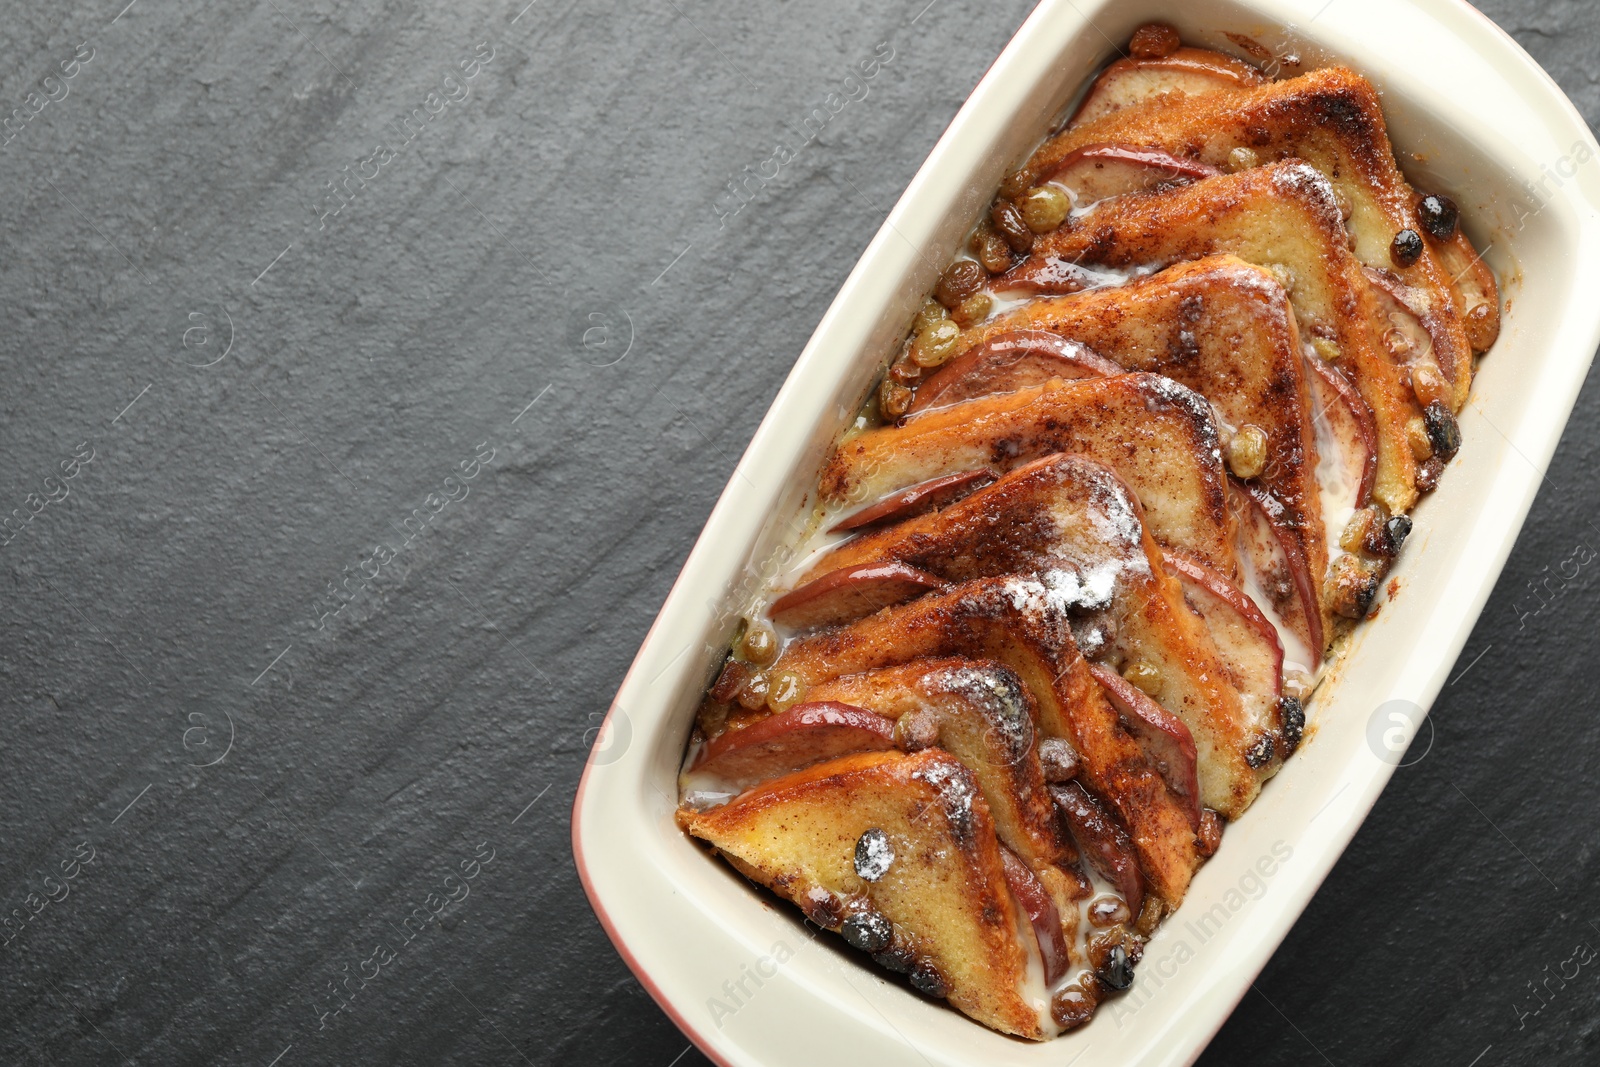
{"x":1141,"y":464}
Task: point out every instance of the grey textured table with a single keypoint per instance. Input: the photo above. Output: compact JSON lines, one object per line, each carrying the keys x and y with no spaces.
{"x":283,"y":283}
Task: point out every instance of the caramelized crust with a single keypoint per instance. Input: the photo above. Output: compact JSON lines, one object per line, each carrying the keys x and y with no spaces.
{"x":979,"y":712}
{"x":1023,"y":624}
{"x":944,"y":891}
{"x":1333,"y":120}
{"x":1225,"y":329}
{"x":1285,"y":216}
{"x":1157,"y":435}
{"x":1069,"y":514}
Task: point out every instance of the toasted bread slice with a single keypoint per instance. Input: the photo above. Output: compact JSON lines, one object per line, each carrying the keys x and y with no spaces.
{"x":955,"y":925}
{"x":1225,"y":329}
{"x":1282,"y":216}
{"x":1070,"y":513}
{"x":1026,"y":625}
{"x":1333,"y":120}
{"x":1156,"y":434}
{"x":979,"y":712}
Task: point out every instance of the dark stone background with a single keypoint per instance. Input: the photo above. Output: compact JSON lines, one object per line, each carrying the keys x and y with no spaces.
{"x":164,"y":615}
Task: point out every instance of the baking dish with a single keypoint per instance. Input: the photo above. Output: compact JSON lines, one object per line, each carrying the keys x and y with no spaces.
{"x":1470,"y":115}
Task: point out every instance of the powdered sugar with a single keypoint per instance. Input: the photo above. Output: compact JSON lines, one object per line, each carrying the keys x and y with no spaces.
{"x":956,"y":788}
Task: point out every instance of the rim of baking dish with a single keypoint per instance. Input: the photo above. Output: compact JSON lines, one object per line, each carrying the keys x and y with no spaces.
{"x":750,"y":984}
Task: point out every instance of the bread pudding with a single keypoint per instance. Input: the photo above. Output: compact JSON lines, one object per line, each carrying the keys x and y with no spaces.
{"x":1140,"y":465}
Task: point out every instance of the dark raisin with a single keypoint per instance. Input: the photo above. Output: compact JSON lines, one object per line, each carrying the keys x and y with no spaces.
{"x":1016,"y":183}
{"x":1260,"y":753}
{"x":1116,"y":972}
{"x":868,"y":931}
{"x":898,"y":960}
{"x":1438,"y":215}
{"x":733,"y":679}
{"x":1057,"y":759}
{"x":924,"y":979}
{"x":1071,"y":1007}
{"x":1210,"y":834}
{"x":1008,"y":220}
{"x":1398,"y":529}
{"x":1443,"y":432}
{"x":1406,"y":249}
{"x":959,"y":281}
{"x":1292,"y":718}
{"x":874,"y":854}
{"x":1366,"y":595}
{"x":1428,"y":475}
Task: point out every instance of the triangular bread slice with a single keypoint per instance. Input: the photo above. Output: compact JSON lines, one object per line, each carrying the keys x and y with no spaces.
{"x":1026,"y":624}
{"x":1333,"y":120}
{"x":980,"y":712}
{"x":1157,"y":435}
{"x":1283,"y":217}
{"x":1225,"y":329}
{"x":1070,"y":513}
{"x":944,"y":891}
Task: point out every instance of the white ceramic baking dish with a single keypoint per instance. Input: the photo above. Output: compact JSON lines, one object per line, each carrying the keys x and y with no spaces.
{"x":1471,"y":115}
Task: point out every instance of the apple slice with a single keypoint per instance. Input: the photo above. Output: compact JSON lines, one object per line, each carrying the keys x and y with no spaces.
{"x":1409,"y":333}
{"x":917,"y":500}
{"x":849,"y":593}
{"x":1041,"y":912}
{"x":1056,"y":277}
{"x":1279,"y":564}
{"x":1188,"y":70}
{"x":1103,"y":843}
{"x":1097,"y":171}
{"x":794,"y":739}
{"x":1344,"y":417}
{"x":1162,"y":734}
{"x":1008,"y":362}
{"x":1245,"y":638}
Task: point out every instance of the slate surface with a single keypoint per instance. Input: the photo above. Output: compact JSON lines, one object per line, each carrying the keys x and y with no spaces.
{"x":525,"y":356}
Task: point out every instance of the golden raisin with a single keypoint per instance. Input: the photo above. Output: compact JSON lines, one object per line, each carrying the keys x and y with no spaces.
{"x":1143,"y":676}
{"x":931,"y":312}
{"x":1045,"y":209}
{"x":1242,"y":158}
{"x":1153,"y":40}
{"x":974,"y":308}
{"x":1427,"y":381}
{"x":760,"y":645}
{"x":935,"y":344}
{"x":1247,"y":452}
{"x":1356,"y":530}
{"x":1326,"y":349}
{"x":893,"y":399}
{"x":785,"y":690}
{"x":1417,"y":437}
